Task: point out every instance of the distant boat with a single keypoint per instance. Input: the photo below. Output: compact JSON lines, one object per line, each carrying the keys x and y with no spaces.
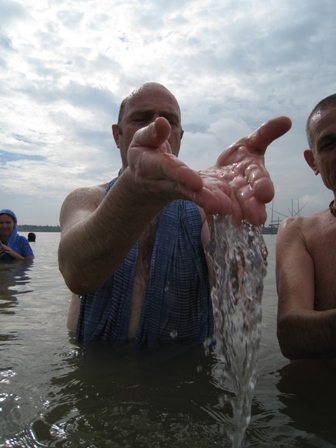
{"x":270,"y":230}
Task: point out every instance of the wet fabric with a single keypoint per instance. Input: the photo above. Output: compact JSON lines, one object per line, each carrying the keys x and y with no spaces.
{"x":16,"y":242}
{"x":177,"y":304}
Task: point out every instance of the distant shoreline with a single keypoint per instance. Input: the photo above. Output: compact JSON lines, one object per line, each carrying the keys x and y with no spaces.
{"x":32,"y":228}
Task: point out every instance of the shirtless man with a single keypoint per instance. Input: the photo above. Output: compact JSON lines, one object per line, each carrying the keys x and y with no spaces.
{"x":306,"y":254}
{"x":139,"y":278}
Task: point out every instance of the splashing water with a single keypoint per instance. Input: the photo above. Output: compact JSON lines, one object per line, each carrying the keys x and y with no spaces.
{"x":239,"y":256}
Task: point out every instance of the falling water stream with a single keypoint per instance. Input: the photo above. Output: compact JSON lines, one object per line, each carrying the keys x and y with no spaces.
{"x":239,"y":257}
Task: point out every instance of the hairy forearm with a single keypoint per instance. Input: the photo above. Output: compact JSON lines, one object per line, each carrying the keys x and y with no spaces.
{"x":92,"y":249}
{"x":307,"y":334}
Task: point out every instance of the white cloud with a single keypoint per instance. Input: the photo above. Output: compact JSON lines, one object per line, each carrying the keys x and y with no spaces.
{"x":66,"y":65}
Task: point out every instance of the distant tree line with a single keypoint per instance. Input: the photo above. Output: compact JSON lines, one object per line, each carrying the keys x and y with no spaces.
{"x":32,"y":228}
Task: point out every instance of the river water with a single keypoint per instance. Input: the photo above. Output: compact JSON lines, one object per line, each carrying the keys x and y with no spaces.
{"x":55,"y":392}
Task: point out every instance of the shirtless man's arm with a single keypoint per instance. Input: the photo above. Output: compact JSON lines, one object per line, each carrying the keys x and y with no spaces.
{"x":302,"y":331}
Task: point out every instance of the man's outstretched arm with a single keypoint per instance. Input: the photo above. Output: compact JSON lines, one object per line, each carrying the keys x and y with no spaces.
{"x":98,"y":231}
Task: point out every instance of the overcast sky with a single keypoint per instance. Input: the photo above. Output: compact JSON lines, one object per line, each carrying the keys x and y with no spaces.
{"x":65,"y":66}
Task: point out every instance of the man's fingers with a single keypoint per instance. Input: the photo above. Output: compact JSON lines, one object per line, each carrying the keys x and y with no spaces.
{"x":150,"y":156}
{"x":255,"y":143}
{"x":163,"y":166}
{"x":152,"y":136}
{"x":268,"y":132}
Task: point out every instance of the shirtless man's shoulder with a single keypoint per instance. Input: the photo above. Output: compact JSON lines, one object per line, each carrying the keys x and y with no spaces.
{"x":315,"y":230}
{"x":88,"y":195}
{"x":313,"y":237}
{"x":79,"y":204}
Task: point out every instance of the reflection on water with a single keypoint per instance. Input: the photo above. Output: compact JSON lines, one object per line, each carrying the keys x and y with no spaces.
{"x":310,"y":384}
{"x":56,"y":393}
{"x":14,"y":281}
{"x":107,"y":397}
{"x":166,"y":398}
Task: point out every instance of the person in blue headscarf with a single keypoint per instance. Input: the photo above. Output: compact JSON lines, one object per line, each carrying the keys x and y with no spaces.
{"x":12,"y":245}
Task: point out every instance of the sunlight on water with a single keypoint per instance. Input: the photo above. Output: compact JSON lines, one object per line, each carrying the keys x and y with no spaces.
{"x":239,"y":255}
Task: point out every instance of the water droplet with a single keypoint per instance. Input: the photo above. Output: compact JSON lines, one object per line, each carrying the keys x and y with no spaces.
{"x":173,"y":334}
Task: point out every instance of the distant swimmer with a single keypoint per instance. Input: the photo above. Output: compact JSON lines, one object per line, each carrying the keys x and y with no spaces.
{"x":12,"y":246}
{"x":31,"y":237}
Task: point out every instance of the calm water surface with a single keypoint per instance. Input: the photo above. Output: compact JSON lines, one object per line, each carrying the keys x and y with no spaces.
{"x":54,"y":392}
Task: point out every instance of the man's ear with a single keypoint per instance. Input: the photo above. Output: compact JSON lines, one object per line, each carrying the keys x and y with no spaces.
{"x":115,"y":133}
{"x":309,"y":157}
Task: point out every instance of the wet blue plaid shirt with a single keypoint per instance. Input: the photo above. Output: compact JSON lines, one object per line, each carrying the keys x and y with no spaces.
{"x":177,"y":305}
